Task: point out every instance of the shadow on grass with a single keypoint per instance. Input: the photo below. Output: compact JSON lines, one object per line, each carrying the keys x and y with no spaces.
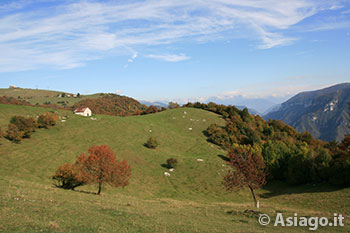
{"x":74,"y":190}
{"x":164,"y":165}
{"x":223,"y":157}
{"x":277,"y":188}
{"x":86,"y":192}
{"x":207,"y":135}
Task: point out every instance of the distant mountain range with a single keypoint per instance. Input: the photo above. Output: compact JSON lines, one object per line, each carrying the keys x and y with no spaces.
{"x":259,"y":105}
{"x":157,"y":103}
{"x":255,"y":106}
{"x":251,"y":111}
{"x":324,"y":113}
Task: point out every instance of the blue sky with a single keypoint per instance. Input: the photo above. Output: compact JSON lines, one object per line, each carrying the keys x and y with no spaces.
{"x":175,"y":50}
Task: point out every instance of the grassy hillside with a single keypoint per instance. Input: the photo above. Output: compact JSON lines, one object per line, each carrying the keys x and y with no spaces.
{"x":35,"y":96}
{"x":190,"y":200}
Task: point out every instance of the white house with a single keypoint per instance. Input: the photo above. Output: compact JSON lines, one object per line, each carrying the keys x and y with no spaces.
{"x":83,"y":111}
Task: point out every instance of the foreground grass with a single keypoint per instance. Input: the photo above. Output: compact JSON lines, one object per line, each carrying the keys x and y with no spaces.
{"x":190,"y":200}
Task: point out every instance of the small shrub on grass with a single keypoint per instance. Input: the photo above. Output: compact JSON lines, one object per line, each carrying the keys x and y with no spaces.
{"x":14,"y":134}
{"x":46,"y":120}
{"x":171,"y":163}
{"x":151,"y":143}
{"x":25,"y":124}
{"x":68,"y":176}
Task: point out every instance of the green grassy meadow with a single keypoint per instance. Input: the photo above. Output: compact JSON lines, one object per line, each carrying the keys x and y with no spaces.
{"x":192,"y":199}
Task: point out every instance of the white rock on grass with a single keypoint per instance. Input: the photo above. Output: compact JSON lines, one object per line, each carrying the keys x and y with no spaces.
{"x":200,"y":160}
{"x":189,"y":128}
{"x":166,"y":173}
{"x":171,"y":169}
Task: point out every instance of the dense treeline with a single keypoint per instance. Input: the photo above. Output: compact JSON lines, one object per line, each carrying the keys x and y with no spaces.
{"x":289,"y":156}
{"x":112,"y":104}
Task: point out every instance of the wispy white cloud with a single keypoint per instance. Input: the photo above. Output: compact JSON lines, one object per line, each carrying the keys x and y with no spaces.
{"x":67,"y":35}
{"x":336,"y":7}
{"x":133,"y":57}
{"x":330,"y":26}
{"x":169,"y":57}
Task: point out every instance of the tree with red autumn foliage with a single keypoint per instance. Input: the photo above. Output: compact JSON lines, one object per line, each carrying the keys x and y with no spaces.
{"x":248,"y":170}
{"x":101,"y":166}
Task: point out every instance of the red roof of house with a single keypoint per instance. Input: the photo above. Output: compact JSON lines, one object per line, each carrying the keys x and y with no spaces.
{"x":80,"y":109}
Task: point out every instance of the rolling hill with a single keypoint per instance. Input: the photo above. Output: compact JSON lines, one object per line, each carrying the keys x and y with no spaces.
{"x":324,"y":113}
{"x":35,"y":96}
{"x":192,"y":199}
{"x":99,"y":103}
{"x":112,"y":104}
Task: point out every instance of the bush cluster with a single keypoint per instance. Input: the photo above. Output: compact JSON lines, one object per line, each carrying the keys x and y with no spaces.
{"x":47,"y":120}
{"x":22,"y":127}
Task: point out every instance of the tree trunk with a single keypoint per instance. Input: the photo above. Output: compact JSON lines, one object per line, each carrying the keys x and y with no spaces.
{"x":99,"y":188}
{"x":252,"y":191}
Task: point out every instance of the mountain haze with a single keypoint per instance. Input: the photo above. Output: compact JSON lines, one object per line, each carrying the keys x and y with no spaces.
{"x":260,"y":105}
